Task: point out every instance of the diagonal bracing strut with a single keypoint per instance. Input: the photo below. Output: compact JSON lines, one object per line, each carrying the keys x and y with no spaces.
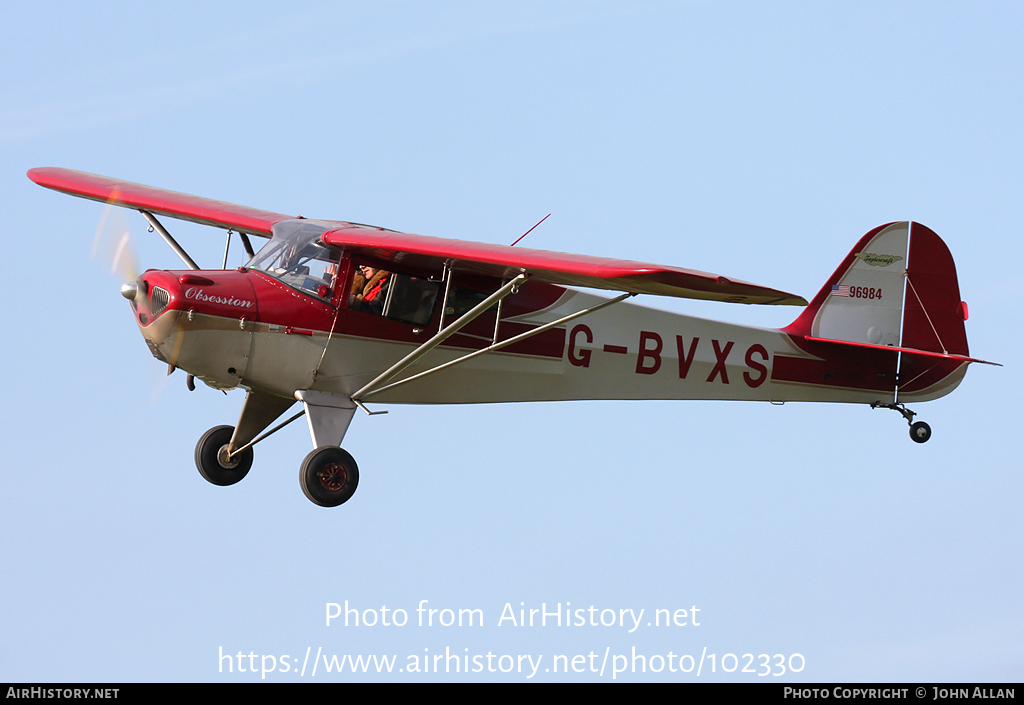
{"x":438,"y":338}
{"x":154,"y":224}
{"x":495,"y":346}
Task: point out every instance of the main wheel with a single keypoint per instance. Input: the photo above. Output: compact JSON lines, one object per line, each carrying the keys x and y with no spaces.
{"x":329,"y":476}
{"x":920,"y":432}
{"x":212,"y":457}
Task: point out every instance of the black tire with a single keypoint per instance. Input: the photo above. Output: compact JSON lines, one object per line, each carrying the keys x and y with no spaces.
{"x":329,"y":476}
{"x":209,"y":464}
{"x":920,"y":432}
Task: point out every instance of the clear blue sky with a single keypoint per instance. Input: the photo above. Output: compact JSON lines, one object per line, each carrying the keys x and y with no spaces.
{"x":748,"y":139}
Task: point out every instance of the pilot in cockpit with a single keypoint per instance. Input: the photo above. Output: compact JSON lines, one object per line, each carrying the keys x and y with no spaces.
{"x":369,"y":289}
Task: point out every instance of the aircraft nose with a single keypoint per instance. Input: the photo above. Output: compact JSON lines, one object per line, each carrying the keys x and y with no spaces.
{"x":151,"y":297}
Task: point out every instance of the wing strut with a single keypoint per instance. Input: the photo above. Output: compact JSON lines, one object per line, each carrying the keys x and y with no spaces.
{"x":155,"y":225}
{"x":227,"y":246}
{"x":498,"y":346}
{"x":246,"y":244}
{"x":438,"y":338}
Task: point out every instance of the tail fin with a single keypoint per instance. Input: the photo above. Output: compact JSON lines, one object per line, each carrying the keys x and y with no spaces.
{"x":862,"y":302}
{"x":897,"y":288}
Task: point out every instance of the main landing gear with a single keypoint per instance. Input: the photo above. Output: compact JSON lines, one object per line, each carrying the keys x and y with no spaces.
{"x":328,"y":476}
{"x":920,"y":432}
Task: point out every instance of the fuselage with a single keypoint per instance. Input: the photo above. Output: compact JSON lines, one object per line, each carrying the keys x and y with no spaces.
{"x":253,"y":329}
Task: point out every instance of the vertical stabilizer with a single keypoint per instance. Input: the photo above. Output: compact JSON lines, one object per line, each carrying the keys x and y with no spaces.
{"x":862,"y":301}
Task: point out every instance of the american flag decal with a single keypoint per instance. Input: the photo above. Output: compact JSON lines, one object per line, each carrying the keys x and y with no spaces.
{"x":840,"y":290}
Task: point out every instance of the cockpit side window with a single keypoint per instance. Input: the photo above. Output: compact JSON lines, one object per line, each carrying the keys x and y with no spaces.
{"x":461,"y":300}
{"x":411,"y":299}
{"x":394,"y":295}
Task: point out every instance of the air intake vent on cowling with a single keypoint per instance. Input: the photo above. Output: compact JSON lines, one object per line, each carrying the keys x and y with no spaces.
{"x":158,"y":301}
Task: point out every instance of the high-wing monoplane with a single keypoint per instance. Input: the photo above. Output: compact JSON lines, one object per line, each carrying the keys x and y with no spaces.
{"x":334,"y":315}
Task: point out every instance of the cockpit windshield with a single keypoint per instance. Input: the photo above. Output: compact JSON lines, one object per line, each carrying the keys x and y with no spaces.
{"x":295,"y":257}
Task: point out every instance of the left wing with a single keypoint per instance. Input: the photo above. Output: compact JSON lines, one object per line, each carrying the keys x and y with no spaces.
{"x":427,"y":252}
{"x":554,"y":267}
{"x":183,"y":206}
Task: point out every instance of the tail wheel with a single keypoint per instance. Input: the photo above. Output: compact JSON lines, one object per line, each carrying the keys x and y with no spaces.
{"x":213,"y":461}
{"x":329,"y":476}
{"x":920,"y":432}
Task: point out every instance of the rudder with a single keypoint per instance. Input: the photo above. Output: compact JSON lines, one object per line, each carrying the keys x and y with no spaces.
{"x":933,"y":315}
{"x":933,"y":320}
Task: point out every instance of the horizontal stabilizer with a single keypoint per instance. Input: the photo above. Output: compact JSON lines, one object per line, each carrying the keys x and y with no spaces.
{"x":909,"y":351}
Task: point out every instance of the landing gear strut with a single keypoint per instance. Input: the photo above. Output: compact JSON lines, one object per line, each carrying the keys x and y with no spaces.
{"x":919,"y":431}
{"x":213,"y":461}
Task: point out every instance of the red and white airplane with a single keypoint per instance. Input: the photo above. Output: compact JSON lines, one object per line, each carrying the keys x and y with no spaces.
{"x":335,"y":314}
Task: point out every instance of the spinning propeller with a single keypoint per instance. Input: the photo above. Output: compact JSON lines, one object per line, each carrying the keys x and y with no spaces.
{"x":114,"y":244}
